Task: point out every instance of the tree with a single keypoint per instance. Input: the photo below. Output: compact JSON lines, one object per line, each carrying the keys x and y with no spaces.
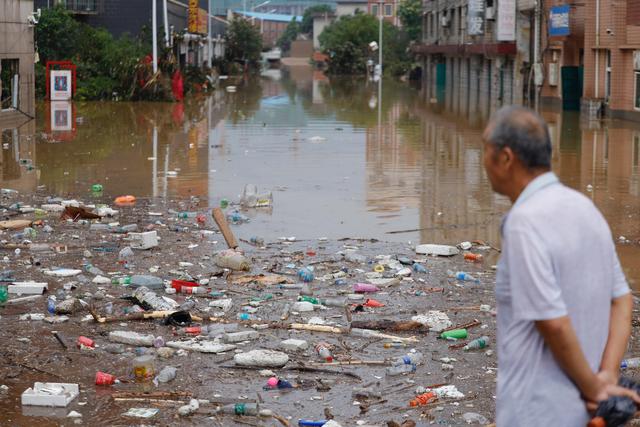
{"x":243,"y":42}
{"x":290,"y":34}
{"x":410,"y":14}
{"x":309,"y":13}
{"x":346,"y":41}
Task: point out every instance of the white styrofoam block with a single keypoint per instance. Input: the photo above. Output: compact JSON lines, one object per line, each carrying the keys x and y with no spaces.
{"x":27,"y":288}
{"x":440,"y":250}
{"x":146,"y":240}
{"x":50,"y":394}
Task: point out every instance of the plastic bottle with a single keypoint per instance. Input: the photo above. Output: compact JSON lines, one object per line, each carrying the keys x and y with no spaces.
{"x":232,"y":260}
{"x":257,"y":241}
{"x":143,"y":368}
{"x":334,"y":302}
{"x":361,"y":288}
{"x":419,"y":268}
{"x":125,"y":229}
{"x":306,"y":274}
{"x":322,"y":349}
{"x":285,"y":312}
{"x":158,"y":342}
{"x":97,"y":188}
{"x":401,"y":369}
{"x":51,"y":304}
{"x":408,"y":359}
{"x":92,"y":269}
{"x":631,"y":363}
{"x":145,"y":296}
{"x":394,"y":345}
{"x":108,"y":308}
{"x":462,"y":276}
{"x":236,"y":218}
{"x":99,"y":227}
{"x":468,"y":256}
{"x":312,"y":423}
{"x":185,"y":215}
{"x":477,"y":344}
{"x":125,"y":254}
{"x":312,"y":300}
{"x":4,"y":294}
{"x":340,"y":282}
{"x":168,"y":373}
{"x":151,"y":282}
{"x":124,"y":281}
{"x":179,"y":229}
{"x":240,"y":409}
{"x":244,"y":316}
{"x":458,"y":334}
{"x":224,"y":203}
{"x":423,"y":399}
{"x":193,"y":290}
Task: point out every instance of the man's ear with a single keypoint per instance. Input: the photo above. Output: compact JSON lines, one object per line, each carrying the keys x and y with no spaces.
{"x":507,"y":156}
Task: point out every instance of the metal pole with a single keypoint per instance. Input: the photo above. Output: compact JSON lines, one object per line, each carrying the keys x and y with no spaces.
{"x":209,"y":33}
{"x":536,"y":53}
{"x":380,"y":37}
{"x":154,"y":25}
{"x":597,"y":70}
{"x":166,"y":22}
{"x":154,"y":180}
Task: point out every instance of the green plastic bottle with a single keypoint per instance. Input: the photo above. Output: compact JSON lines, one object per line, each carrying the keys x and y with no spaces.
{"x":224,"y":203}
{"x":96,"y":188}
{"x":312,"y":300}
{"x":124,"y":281}
{"x":4,"y":294}
{"x":458,"y":334}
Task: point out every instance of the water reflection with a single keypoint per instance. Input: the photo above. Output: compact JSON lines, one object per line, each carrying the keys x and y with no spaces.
{"x":341,"y":160}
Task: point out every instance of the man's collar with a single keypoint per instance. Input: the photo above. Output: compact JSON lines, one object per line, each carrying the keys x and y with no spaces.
{"x":535,"y":185}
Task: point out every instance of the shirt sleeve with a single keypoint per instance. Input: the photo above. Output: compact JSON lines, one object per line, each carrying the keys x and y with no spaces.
{"x":620,"y":285}
{"x":535,"y":292}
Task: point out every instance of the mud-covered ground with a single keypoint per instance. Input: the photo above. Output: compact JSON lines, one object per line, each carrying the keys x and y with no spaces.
{"x":30,"y":352}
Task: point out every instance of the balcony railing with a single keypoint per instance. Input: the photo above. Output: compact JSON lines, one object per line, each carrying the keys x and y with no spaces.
{"x":85,"y":7}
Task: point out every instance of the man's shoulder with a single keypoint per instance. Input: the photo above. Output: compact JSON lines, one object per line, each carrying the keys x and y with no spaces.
{"x":554,"y":202}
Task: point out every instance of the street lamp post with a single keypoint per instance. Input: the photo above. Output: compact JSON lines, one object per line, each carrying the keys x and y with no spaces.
{"x":380,"y":5}
{"x":154,"y":24}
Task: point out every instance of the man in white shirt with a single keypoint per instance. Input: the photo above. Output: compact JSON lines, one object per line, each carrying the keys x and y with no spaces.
{"x":563,"y":303}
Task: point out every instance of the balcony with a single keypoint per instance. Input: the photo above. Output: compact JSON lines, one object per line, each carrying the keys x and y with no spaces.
{"x":81,"y":7}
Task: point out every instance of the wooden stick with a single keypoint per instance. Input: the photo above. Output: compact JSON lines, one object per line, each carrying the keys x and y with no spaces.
{"x":219,"y":218}
{"x":166,"y":395}
{"x":316,"y":328}
{"x":138,"y":316}
{"x":348,"y":362}
{"x":467,"y":325}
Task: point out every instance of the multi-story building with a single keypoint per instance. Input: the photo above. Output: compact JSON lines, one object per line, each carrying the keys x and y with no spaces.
{"x":562,"y":54}
{"x":271,"y":25}
{"x":612,"y":58}
{"x":17,"y":56}
{"x":389,"y":10}
{"x":479,"y":47}
{"x":17,"y":95}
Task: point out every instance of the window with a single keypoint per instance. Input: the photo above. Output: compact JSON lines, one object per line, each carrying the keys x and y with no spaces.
{"x":9,"y":83}
{"x":636,"y":98}
{"x":388,"y":10}
{"x":374,"y":9}
{"x":607,"y":81}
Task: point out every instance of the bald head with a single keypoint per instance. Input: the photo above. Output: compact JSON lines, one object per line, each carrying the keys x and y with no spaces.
{"x":524,"y":131}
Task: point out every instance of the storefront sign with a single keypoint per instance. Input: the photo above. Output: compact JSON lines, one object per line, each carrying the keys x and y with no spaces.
{"x":197,"y":19}
{"x":559,"y":21}
{"x":60,"y":85}
{"x":475,"y":17}
{"x":506,"y":24}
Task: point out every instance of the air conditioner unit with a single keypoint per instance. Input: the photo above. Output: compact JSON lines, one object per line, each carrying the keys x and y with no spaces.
{"x":636,"y":59}
{"x":444,"y":21}
{"x":490,"y":13}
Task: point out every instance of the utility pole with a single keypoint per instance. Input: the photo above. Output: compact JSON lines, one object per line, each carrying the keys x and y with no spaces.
{"x":209,"y":44}
{"x":154,"y":25}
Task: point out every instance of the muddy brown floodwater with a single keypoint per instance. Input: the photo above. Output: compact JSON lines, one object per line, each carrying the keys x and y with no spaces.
{"x":342,"y":162}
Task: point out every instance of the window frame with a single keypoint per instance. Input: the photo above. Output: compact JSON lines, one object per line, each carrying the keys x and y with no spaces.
{"x":388,"y":5}
{"x":636,"y":90}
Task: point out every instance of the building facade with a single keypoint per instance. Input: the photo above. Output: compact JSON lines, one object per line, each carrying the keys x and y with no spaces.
{"x":271,"y":25}
{"x":475,"y":54}
{"x":17,"y":96}
{"x":612,"y":58}
{"x":389,"y":10}
{"x":17,"y":56}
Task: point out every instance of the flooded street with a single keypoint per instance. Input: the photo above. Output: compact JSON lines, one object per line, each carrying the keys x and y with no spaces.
{"x":342,"y":161}
{"x":337,"y":164}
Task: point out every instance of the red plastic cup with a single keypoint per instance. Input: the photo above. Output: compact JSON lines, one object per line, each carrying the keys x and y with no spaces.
{"x":102,"y":378}
{"x":84,"y":341}
{"x":193,"y":330}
